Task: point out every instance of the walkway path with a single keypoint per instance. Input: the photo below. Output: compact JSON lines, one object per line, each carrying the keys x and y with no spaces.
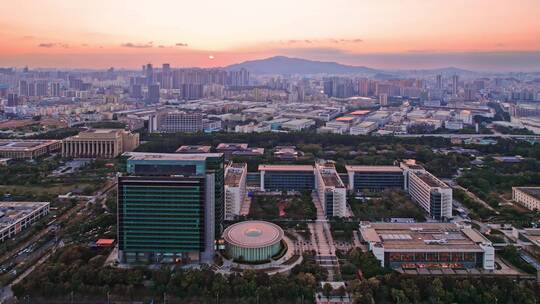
{"x":321,"y":237}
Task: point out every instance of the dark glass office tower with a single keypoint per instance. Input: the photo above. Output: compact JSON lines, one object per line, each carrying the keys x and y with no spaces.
{"x":170,"y":207}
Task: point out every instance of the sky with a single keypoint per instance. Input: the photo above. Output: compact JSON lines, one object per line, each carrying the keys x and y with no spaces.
{"x":393,"y":34}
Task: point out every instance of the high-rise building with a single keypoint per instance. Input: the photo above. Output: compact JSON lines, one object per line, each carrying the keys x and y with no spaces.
{"x":170,"y":207}
{"x":439,"y":82}
{"x":42,"y":88}
{"x":192,"y":91}
{"x":23,"y":88}
{"x":153,"y":93}
{"x":166,"y":77}
{"x":235,"y":189}
{"x":135,"y":91}
{"x":149,"y":73}
{"x":383,"y":100}
{"x":455,"y":82}
{"x":55,"y":89}
{"x":12,"y":100}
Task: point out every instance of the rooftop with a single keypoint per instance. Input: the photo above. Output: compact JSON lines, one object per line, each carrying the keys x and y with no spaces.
{"x":286,"y":168}
{"x":330,"y":177}
{"x":193,"y":149}
{"x":430,"y":180}
{"x":353,"y":168}
{"x":11,"y":212}
{"x":232,"y":146}
{"x":233,"y":174}
{"x":360,"y":112}
{"x":423,"y":236}
{"x":170,"y":156}
{"x":253,"y":234}
{"x":532,"y":191}
{"x":24,"y":144}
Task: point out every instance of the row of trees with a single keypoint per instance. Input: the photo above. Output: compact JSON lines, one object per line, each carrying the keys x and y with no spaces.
{"x":79,"y":270}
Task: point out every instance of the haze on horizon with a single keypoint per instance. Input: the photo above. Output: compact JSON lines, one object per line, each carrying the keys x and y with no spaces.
{"x":496,"y":35}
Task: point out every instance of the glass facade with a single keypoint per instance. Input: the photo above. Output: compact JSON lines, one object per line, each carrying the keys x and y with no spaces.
{"x":170,"y":208}
{"x":289,"y":180}
{"x":253,"y":254}
{"x":161,"y":215}
{"x":377,"y":181}
{"x":440,"y":259}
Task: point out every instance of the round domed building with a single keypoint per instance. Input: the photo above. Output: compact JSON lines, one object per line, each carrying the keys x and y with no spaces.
{"x":253,"y":241}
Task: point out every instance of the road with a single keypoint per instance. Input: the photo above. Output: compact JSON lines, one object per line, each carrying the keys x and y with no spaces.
{"x":322,"y":238}
{"x":476,"y":198}
{"x":530,"y":137}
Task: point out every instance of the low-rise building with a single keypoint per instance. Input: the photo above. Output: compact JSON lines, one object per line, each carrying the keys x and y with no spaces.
{"x":528,"y":197}
{"x":363,"y":128}
{"x":298,"y":124}
{"x":374,"y":178}
{"x":238,"y":149}
{"x":100,"y":143}
{"x":288,"y":153}
{"x":287,"y":177}
{"x":404,"y":246}
{"x":27,"y":148}
{"x":18,"y":216}
{"x":189,"y":149}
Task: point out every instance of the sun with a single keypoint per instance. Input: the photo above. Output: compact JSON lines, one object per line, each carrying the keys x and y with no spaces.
{"x":210,"y":57}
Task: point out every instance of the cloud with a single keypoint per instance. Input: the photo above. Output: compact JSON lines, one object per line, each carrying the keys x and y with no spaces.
{"x":181,"y":44}
{"x":137,"y":45}
{"x":343,"y":40}
{"x":51,"y":45}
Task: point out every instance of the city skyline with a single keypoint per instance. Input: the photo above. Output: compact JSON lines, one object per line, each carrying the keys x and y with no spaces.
{"x":477,"y":35}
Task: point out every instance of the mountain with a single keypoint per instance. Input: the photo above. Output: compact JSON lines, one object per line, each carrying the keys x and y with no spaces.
{"x":288,"y":65}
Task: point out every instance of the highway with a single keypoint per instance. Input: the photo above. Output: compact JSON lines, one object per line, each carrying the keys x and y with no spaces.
{"x":524,"y":137}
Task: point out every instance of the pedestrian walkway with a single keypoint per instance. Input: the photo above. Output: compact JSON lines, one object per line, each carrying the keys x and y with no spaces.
{"x":322,"y":238}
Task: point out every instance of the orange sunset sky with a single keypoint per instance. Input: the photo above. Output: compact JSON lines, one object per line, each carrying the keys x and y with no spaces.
{"x":503,"y":34}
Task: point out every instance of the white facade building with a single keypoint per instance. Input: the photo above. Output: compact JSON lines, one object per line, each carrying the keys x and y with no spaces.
{"x":235,"y":189}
